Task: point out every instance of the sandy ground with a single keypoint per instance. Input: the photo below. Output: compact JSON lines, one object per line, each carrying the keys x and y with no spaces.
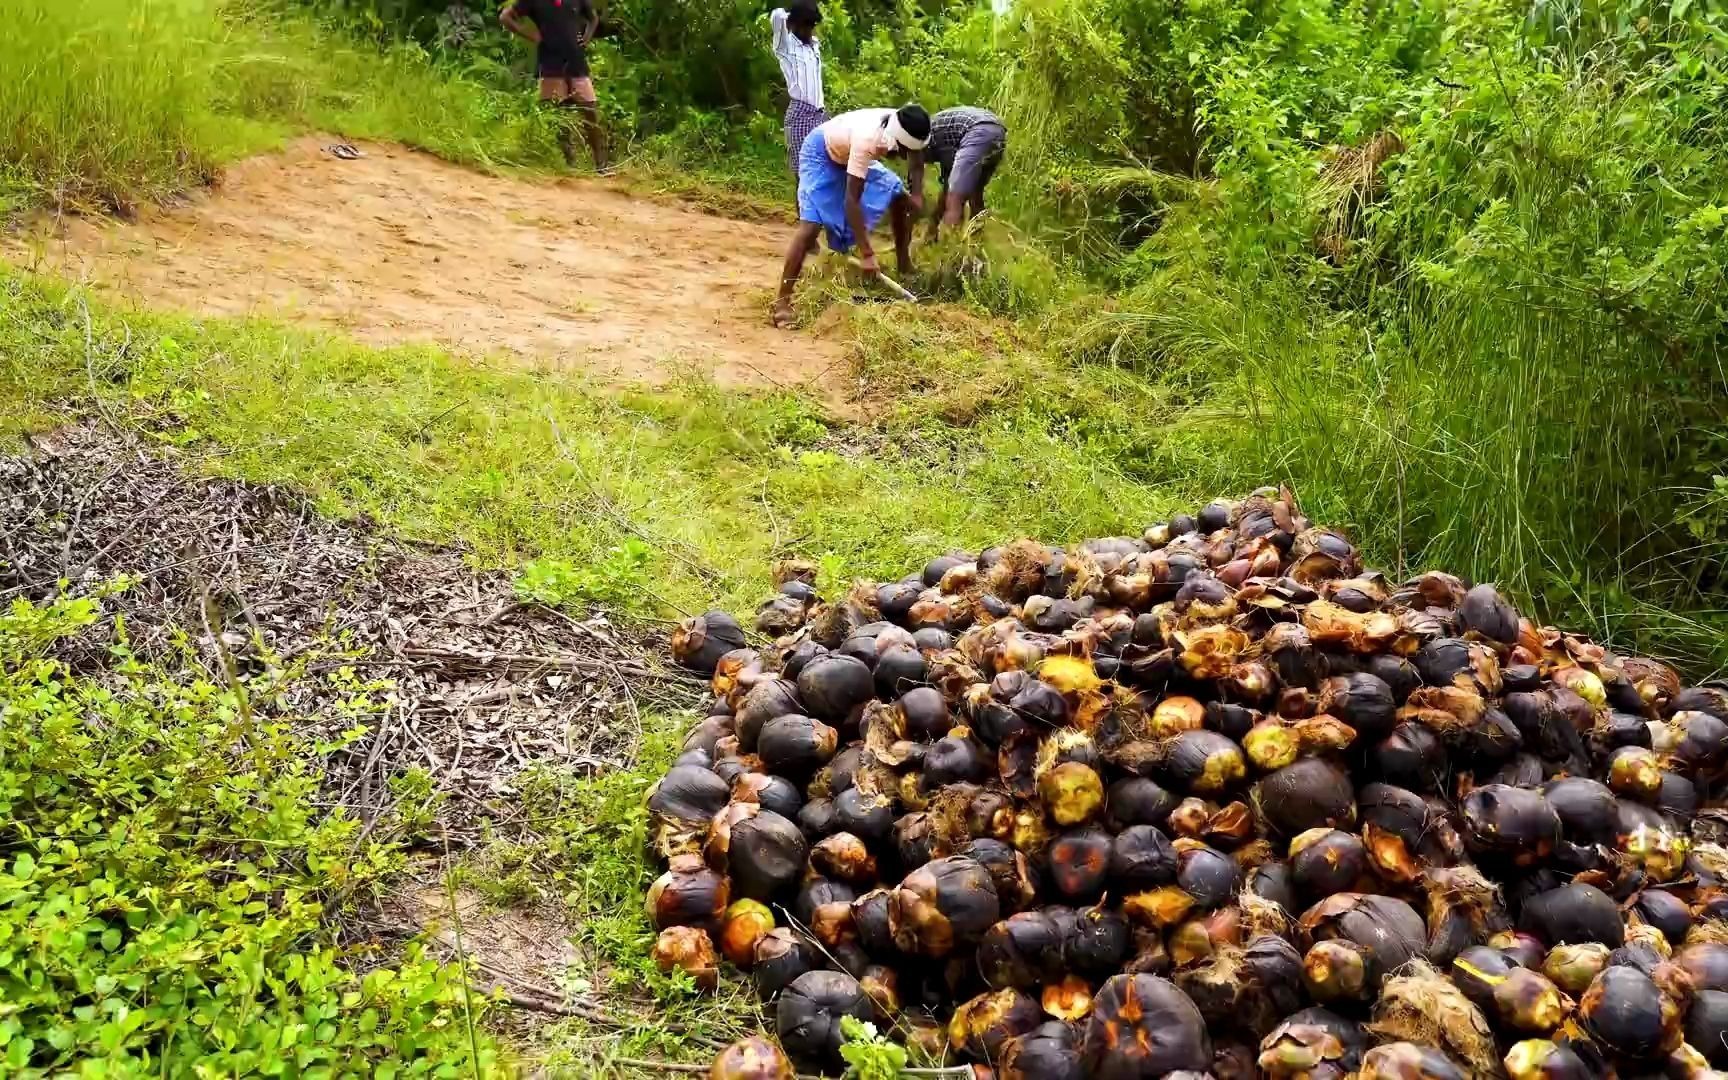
{"x":399,"y":246}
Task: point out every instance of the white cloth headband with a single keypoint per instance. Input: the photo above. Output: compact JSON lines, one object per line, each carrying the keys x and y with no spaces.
{"x":899,"y":134}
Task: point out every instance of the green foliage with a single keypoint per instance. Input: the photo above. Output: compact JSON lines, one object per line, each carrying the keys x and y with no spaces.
{"x":105,"y":103}
{"x":868,"y":1055}
{"x":167,"y":883}
{"x":617,"y":579}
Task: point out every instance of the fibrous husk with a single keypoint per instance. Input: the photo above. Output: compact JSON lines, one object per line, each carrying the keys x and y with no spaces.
{"x":1708,"y":932}
{"x":794,"y":570}
{"x":1262,"y":916}
{"x":1463,"y":887}
{"x":1422,"y":1006}
{"x":1019,"y":571}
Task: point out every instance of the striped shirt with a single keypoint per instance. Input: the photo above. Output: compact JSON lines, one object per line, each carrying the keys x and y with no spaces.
{"x":800,"y":63}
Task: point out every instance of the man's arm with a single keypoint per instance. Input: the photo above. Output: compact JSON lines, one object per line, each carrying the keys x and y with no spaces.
{"x":593,"y":22}
{"x":513,"y":22}
{"x":855,"y":219}
{"x":915,"y":178}
{"x":777,"y":23}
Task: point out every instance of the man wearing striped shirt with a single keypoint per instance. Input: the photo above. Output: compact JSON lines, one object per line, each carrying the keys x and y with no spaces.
{"x":800,"y":56}
{"x":967,"y":143}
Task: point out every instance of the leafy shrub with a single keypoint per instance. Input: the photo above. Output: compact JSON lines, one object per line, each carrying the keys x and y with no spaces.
{"x":167,"y":886}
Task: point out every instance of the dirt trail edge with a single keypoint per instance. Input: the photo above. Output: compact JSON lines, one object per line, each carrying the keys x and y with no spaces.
{"x":399,"y":246}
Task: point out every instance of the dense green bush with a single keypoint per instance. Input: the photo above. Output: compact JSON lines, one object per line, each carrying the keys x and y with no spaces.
{"x":165,"y":889}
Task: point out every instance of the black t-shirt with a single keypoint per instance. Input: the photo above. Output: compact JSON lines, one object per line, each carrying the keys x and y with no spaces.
{"x":560,"y":23}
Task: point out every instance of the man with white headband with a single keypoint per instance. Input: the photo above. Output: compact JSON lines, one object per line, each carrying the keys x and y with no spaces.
{"x":844,"y":188}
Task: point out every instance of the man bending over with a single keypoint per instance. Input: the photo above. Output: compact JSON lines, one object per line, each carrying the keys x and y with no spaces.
{"x":967,"y":143}
{"x":560,"y":31}
{"x":843,"y":187}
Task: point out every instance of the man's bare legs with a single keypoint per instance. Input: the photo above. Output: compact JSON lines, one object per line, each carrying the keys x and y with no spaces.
{"x":803,"y":242}
{"x":577,"y":95}
{"x":900,"y":216}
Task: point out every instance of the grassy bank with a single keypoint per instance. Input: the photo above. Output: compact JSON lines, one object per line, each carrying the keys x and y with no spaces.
{"x":522,"y":465}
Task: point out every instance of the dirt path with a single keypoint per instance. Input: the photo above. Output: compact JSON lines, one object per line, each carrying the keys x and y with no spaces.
{"x":399,"y":246}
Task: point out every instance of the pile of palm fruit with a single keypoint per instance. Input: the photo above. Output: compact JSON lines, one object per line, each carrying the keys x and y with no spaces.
{"x":1211,"y":801}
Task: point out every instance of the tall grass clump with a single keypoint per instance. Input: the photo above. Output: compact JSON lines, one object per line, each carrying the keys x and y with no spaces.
{"x":1485,"y":323}
{"x":105,"y":104}
{"x":104,"y":101}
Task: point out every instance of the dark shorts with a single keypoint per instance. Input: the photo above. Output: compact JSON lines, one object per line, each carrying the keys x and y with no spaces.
{"x":566,"y":63}
{"x":976,"y":159}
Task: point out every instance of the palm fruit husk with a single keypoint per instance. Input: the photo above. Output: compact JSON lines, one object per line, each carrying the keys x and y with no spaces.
{"x":1098,"y":941}
{"x":1387,"y":927}
{"x":1022,"y":951}
{"x":745,"y":923}
{"x":688,"y":894}
{"x":1209,"y":876}
{"x":698,"y":643}
{"x":1574,"y":967}
{"x":1136,"y":800}
{"x":1079,"y":863}
{"x":765,"y":855}
{"x":1627,"y":1013}
{"x":1009,"y":869}
{"x":1545,"y":1059}
{"x":687,"y":949}
{"x":865,"y":813}
{"x":1510,"y":824}
{"x":688,"y":793}
{"x":835,"y":688}
{"x":844,"y":857}
{"x":1339,"y":973}
{"x":779,"y":958}
{"x":1204,"y":762}
{"x":1141,"y":858}
{"x":1419,"y":1005}
{"x":1071,"y":792}
{"x":796,"y":746}
{"x":1142,"y":1025}
{"x":1573,"y":914}
{"x":754,"y":1058}
{"x":1325,"y":861}
{"x":982,"y":1026}
{"x":735,"y":674}
{"x":774,"y":793}
{"x":1069,"y":998}
{"x":1313,"y":1043}
{"x":1308,"y":794}
{"x":768,"y":699}
{"x":1050,"y":1051}
{"x":1707,"y":1025}
{"x":1463,"y":907}
{"x":1407,"y":1061}
{"x":944,"y":903}
{"x":808,"y":1013}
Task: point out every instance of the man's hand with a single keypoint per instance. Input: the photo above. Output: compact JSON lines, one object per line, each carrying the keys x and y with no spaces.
{"x":867,"y":260}
{"x":917,"y":200}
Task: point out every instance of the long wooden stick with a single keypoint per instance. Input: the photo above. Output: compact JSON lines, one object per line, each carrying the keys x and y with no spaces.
{"x":893,"y":286}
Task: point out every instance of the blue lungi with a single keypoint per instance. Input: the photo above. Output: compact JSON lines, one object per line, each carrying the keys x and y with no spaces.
{"x":822,"y":192}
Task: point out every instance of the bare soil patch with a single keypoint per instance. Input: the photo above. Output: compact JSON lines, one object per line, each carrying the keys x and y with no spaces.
{"x":399,"y":246}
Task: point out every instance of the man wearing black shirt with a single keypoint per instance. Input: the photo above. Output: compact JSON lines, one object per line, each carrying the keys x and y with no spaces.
{"x":560,"y":31}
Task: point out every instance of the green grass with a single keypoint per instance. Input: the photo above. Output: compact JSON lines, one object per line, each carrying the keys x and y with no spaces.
{"x":519,"y":464}
{"x":104,"y":104}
